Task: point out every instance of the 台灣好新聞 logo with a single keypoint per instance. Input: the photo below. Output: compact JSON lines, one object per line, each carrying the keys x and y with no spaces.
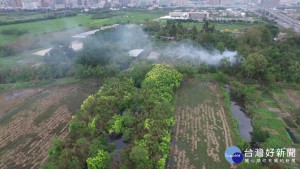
{"x":233,"y":155}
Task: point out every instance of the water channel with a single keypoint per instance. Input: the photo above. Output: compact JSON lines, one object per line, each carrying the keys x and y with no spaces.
{"x":238,"y":112}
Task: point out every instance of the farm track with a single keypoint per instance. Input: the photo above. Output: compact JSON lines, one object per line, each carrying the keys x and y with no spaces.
{"x":25,"y":140}
{"x":201,"y":133}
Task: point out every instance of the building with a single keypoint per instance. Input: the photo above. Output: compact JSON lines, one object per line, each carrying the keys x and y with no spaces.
{"x":182,"y":2}
{"x":179,"y":14}
{"x":199,"y":16}
{"x":135,"y":53}
{"x":269,"y":3}
{"x":214,"y":2}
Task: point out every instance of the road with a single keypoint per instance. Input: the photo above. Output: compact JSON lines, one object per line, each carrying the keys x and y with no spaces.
{"x":281,"y":19}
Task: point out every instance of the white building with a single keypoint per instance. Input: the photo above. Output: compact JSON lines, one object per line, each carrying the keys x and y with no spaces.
{"x":179,"y":14}
{"x":135,"y":52}
{"x":199,"y":16}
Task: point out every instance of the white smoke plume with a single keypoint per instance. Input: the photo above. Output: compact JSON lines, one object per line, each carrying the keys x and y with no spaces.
{"x":198,"y":54}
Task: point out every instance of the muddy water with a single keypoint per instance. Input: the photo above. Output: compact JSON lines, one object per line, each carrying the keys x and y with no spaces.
{"x":119,"y":142}
{"x":245,"y":126}
{"x":120,"y":145}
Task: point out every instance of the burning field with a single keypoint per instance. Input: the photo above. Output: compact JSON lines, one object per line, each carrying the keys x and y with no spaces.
{"x":32,"y":118}
{"x":201,"y":134}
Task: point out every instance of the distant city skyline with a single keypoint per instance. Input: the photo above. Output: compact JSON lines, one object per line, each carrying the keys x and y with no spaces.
{"x":57,"y":4}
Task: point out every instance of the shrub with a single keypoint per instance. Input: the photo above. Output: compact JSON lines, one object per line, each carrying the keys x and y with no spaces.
{"x":220,"y":77}
{"x":259,"y":135}
{"x":101,"y":161}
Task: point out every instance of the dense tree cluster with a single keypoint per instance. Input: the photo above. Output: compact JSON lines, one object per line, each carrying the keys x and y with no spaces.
{"x":151,"y":149}
{"x":87,"y":143}
{"x":208,"y":36}
{"x":148,"y":129}
{"x":263,"y":58}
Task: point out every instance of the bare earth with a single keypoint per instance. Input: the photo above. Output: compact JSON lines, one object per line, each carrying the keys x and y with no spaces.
{"x":26,"y":137}
{"x":10,"y":100}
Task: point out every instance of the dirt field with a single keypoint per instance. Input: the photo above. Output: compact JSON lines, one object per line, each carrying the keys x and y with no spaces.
{"x":10,"y":100}
{"x":33,"y":118}
{"x":201,"y":134}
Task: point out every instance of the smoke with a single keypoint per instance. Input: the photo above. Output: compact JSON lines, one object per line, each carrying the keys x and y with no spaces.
{"x":131,"y":36}
{"x":127,"y":37}
{"x":197,"y":54}
{"x":118,"y":41}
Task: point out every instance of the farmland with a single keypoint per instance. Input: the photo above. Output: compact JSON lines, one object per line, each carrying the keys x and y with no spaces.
{"x":32,"y":117}
{"x":201,"y":133}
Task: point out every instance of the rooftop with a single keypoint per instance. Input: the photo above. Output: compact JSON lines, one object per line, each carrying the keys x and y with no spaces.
{"x":135,"y":52}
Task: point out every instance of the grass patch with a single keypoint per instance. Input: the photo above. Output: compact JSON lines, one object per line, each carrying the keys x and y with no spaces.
{"x":270,"y":121}
{"x":67,"y":80}
{"x":75,"y":22}
{"x":18,"y":85}
{"x":28,"y":60}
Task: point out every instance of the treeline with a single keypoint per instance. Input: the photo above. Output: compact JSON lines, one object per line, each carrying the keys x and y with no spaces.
{"x":14,"y":31}
{"x":261,"y":57}
{"x":208,"y":36}
{"x":145,"y":123}
{"x":104,"y":13}
{"x":54,"y":15}
{"x":151,"y":146}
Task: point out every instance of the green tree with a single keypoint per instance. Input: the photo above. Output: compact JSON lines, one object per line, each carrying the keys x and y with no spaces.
{"x":101,"y":161}
{"x":294,"y":71}
{"x":56,"y":148}
{"x":194,"y":33}
{"x":255,"y":65}
{"x":220,"y":46}
{"x":116,"y":124}
{"x":139,"y":155}
{"x":259,"y":135}
{"x":139,"y":71}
